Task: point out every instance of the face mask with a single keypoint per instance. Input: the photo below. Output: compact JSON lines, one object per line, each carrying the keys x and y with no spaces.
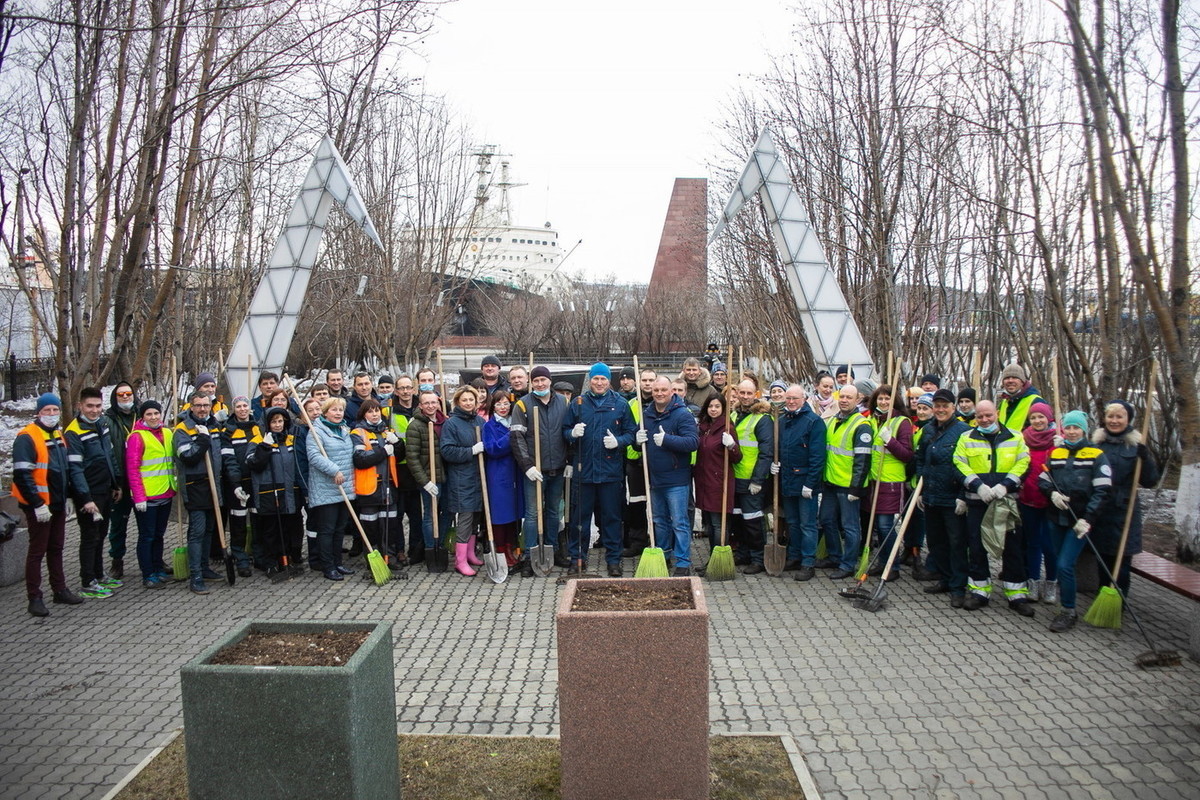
{"x":153,"y":425}
{"x":989,"y":428}
{"x":426,"y":387}
{"x":50,"y":420}
{"x":541,"y":392}
{"x":125,"y":406}
{"x":92,"y":420}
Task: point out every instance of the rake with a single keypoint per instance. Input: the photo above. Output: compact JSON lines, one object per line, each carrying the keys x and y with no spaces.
{"x":875,"y":601}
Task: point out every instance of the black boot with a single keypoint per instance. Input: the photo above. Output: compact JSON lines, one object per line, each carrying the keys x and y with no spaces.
{"x":118,"y":568}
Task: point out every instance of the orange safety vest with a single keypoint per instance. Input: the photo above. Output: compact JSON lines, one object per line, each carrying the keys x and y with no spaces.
{"x":41,"y":468}
{"x":366,"y":480}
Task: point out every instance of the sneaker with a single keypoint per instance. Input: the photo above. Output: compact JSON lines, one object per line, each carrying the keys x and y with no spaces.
{"x":754,"y":569}
{"x":67,"y":597}
{"x":154,"y":582}
{"x":94,"y":591}
{"x":197,"y":586}
{"x":1065,"y":620}
{"x":1022,"y":607}
{"x":838,"y":574}
{"x":109,"y":582}
{"x":210,"y":575}
{"x":805,"y":574}
{"x":1035,"y":590}
{"x":974,"y":602}
{"x":1050,"y":592}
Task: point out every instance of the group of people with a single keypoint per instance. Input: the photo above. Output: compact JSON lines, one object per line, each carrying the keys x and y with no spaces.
{"x":513,"y":460}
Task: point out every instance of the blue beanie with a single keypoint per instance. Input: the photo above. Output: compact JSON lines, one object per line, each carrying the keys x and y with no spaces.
{"x":1076,"y":418}
{"x":600,"y":370}
{"x":48,"y":399}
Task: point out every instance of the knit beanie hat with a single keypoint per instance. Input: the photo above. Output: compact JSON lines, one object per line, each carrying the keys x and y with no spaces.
{"x":1128,"y":408}
{"x":1014,"y":370}
{"x":490,"y":361}
{"x":925,"y":400}
{"x":1077,"y":418}
{"x":241,"y":398}
{"x":967,"y":393}
{"x":600,"y":370}
{"x":205,"y":377}
{"x":540,"y":372}
{"x":931,"y":378}
{"x":385,"y":379}
{"x":1042,"y":408}
{"x":148,"y":405}
{"x":719,"y":367}
{"x":48,"y":399}
{"x":780,"y":384}
{"x":843,"y":369}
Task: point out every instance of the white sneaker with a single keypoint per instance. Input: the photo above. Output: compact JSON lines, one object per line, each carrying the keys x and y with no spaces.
{"x":1050,"y":592}
{"x":94,"y":591}
{"x":1035,"y":590}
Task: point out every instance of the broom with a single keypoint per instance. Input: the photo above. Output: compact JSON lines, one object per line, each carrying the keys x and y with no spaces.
{"x":1105,"y":611}
{"x":179,"y":558}
{"x":720,"y":561}
{"x":864,"y":560}
{"x":653,"y":563}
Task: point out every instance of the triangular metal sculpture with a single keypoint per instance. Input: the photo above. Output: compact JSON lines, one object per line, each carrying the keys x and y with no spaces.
{"x":831,"y":330}
{"x":266,"y":333}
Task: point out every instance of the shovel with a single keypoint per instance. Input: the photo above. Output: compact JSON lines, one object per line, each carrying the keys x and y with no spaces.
{"x":493,"y":561}
{"x":541,"y":557}
{"x":439,"y":559}
{"x":775,"y":554}
{"x":230,"y":566}
{"x":875,"y":601}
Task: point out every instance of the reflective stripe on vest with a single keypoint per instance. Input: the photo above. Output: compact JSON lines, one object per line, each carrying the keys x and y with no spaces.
{"x":40,"y":468}
{"x":158,"y":467}
{"x":839,"y":458}
{"x":885,"y":466}
{"x":976,"y":456}
{"x":748,"y":443}
{"x":366,"y":480}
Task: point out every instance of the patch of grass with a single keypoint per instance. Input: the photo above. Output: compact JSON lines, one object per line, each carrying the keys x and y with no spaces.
{"x":471,"y":767}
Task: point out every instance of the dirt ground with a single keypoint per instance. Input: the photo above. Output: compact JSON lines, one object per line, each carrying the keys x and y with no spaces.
{"x":625,"y":597}
{"x":316,"y":649}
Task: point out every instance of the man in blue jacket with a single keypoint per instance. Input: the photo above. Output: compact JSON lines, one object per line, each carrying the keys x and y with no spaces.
{"x":600,"y":426}
{"x":943,"y":498}
{"x":669,"y":439}
{"x":801,"y":470}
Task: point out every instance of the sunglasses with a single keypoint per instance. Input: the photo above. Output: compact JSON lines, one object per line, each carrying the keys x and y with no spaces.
{"x":124,"y":394}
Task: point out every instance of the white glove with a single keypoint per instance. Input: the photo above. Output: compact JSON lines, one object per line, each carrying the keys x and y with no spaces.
{"x":755,"y":488}
{"x":885,"y":433}
{"x":999,"y":492}
{"x":775,"y":467}
{"x":534,"y":474}
{"x":42,"y":513}
{"x":269,"y":439}
{"x":390,"y":437}
{"x":1082,"y":528}
{"x":610,"y":441}
{"x":985,"y":493}
{"x":641,"y":436}
{"x":97,"y":516}
{"x":726,"y":440}
{"x":142,"y":506}
{"x":853,"y":498}
{"x":660,"y":437}
{"x":477,"y":448}
{"x":241,"y":494}
{"x":390,"y":449}
{"x":960,"y":507}
{"x":1059,"y":441}
{"x":221,"y":415}
{"x":202,"y":430}
{"x":568,"y":471}
{"x":431,"y":489}
{"x":1060,"y":500}
{"x":806,"y":493}
{"x":577,"y":431}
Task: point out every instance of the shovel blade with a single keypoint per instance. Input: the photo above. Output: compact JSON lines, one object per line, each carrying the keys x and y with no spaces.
{"x":230,"y":568}
{"x":496,"y":566}
{"x":541,"y":558}
{"x":874,"y":602}
{"x":854,"y":593}
{"x":774,"y":558}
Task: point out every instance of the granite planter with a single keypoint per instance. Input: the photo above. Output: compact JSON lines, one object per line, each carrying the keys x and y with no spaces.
{"x":293,"y":732}
{"x":633,"y":697}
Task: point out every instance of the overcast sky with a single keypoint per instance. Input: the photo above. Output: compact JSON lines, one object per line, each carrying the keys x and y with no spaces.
{"x":601,"y":106}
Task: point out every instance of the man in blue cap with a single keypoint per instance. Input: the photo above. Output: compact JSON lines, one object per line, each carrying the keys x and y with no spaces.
{"x":600,"y":425}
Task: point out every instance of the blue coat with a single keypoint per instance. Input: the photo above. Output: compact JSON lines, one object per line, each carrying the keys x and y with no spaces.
{"x":322,"y":491}
{"x":463,"y":492}
{"x":505,"y":485}
{"x":935,"y":463}
{"x":671,"y":464}
{"x":609,"y":412}
{"x":801,"y":451}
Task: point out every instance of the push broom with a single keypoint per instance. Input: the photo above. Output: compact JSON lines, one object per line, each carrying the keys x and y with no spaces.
{"x":720,"y":561}
{"x":179,"y":558}
{"x":653,"y":563}
{"x":1105,"y":611}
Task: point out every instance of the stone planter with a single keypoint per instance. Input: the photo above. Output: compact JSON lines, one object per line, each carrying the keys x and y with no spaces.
{"x":633,"y":697}
{"x":14,"y":550}
{"x":293,"y":732}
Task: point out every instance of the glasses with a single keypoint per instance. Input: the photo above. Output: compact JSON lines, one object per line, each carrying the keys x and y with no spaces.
{"x":124,"y":394}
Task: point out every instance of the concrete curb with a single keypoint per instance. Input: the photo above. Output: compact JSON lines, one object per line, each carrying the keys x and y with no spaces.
{"x":145,"y":762}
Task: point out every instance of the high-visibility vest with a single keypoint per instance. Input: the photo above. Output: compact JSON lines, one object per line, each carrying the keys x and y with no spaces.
{"x":158,"y":467}
{"x":839,"y":445}
{"x":1014,"y":416}
{"x":399,"y":424}
{"x":975,"y":455}
{"x":366,"y":480}
{"x":41,"y":467}
{"x":885,"y":466}
{"x":632,"y":453}
{"x":748,"y":444}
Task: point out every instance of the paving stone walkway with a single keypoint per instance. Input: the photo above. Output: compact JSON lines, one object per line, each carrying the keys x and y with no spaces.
{"x":917,"y":701}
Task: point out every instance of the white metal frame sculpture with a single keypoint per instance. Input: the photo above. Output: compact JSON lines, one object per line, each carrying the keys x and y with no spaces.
{"x":266,"y":333}
{"x":828,"y":324}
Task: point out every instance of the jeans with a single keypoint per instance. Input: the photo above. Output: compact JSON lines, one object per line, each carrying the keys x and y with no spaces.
{"x":552,"y":492}
{"x":801,"y":515}
{"x":946,"y":535}
{"x":118,"y":525}
{"x":1069,"y":548}
{"x":443,"y":518}
{"x":885,"y":529}
{"x":202,"y":522}
{"x":840,"y":514}
{"x":1039,"y":544}
{"x":602,"y":501}
{"x":672,"y":523}
{"x":152,"y":527}
{"x":329,"y":521}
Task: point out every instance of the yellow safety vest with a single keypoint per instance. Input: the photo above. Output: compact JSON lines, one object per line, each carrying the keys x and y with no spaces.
{"x":748,"y":443}
{"x":885,"y":466}
{"x":158,"y":467}
{"x":1014,"y":417}
{"x":635,"y":408}
{"x":839,"y":444}
{"x":399,"y":424}
{"x":974,"y":455}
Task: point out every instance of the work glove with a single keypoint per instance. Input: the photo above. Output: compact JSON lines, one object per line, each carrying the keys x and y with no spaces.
{"x":726,"y":440}
{"x":1061,"y":501}
{"x":534,"y":474}
{"x":853,"y":498}
{"x":390,"y":437}
{"x":1082,"y":528}
{"x":97,"y":516}
{"x":431,"y":489}
{"x":568,"y":471}
{"x":202,"y":430}
{"x":985,"y":493}
{"x":241,"y":494}
{"x":1059,"y":441}
{"x":390,"y":449}
{"x":885,"y":434}
{"x":960,"y":507}
{"x":610,"y":441}
{"x":42,"y":513}
{"x":221,"y":415}
{"x":774,"y":467}
{"x":142,"y":506}
{"x":577,"y":431}
{"x":999,"y":491}
{"x":641,"y":436}
{"x":89,"y":508}
{"x":660,"y":437}
{"x":269,"y":439}
{"x":806,"y":492}
{"x":477,"y":448}
{"x":755,"y":488}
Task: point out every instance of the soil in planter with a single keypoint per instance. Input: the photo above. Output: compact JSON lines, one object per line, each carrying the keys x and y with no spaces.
{"x":314,"y":649}
{"x":632,"y":597}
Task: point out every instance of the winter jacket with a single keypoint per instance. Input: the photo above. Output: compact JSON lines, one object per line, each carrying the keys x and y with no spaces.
{"x":1082,"y":473}
{"x":992,"y":459}
{"x":135,"y":449}
{"x":353,"y":404}
{"x":95,"y":471}
{"x":273,"y":474}
{"x":1013,"y":412}
{"x":710,"y":466}
{"x":237,"y":436}
{"x":899,"y":448}
{"x":322,"y":467}
{"x":935,"y":462}
{"x":25,"y":460}
{"x":120,"y":425}
{"x":258,"y":407}
{"x":701,"y":391}
{"x":505,"y":487}
{"x":463,"y":492}
{"x":1040,"y":445}
{"x":607,"y":412}
{"x":801,"y":451}
{"x":1122,"y":452}
{"x":671,"y":463}
{"x":551,"y":411}
{"x":300,"y":454}
{"x":370,"y":456}
{"x":416,"y":448}
{"x":190,"y":450}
